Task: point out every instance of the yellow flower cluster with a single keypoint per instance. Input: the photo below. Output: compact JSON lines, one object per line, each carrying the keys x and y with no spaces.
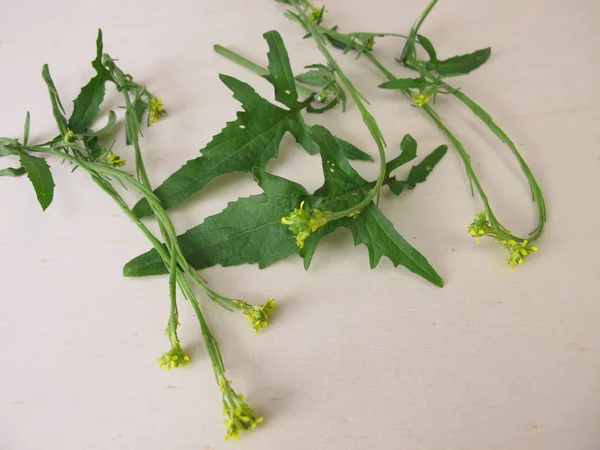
{"x":316,"y":14}
{"x":174,"y":357}
{"x":517,"y":251}
{"x":302,"y":223}
{"x":480,"y":226}
{"x":420,"y":98}
{"x":239,"y":415}
{"x":156,"y":109}
{"x":258,"y":315}
{"x":115,"y":160}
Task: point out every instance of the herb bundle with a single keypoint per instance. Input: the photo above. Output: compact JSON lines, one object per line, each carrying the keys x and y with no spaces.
{"x":285,"y":219}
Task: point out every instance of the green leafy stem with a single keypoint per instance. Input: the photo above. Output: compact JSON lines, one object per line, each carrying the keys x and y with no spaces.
{"x":83,"y":150}
{"x":431,"y":82}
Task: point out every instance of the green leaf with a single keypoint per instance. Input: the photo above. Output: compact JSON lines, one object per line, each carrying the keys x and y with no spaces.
{"x":409,"y":152}
{"x":249,"y":141}
{"x":419,"y":172}
{"x":428,"y":46}
{"x":352,"y":152}
{"x":87,"y":104}
{"x":248,"y":231}
{"x":343,"y":187}
{"x":461,"y":64}
{"x":12,"y":172}
{"x":405,"y":83}
{"x":39,"y":174}
{"x":280,"y":71}
{"x":57,"y":108}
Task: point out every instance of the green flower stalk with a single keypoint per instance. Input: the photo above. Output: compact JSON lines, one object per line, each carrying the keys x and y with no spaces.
{"x":239,"y":415}
{"x":79,"y":145}
{"x":423,"y":92}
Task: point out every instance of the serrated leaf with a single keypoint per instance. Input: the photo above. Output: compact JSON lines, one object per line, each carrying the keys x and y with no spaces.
{"x":419,"y":172}
{"x":428,"y":46}
{"x":408,"y":148}
{"x":343,"y":187}
{"x":249,"y":141}
{"x":248,"y":231}
{"x":40,"y":176}
{"x":87,"y":104}
{"x":405,"y":83}
{"x":461,"y":64}
{"x":280,"y":72}
{"x":12,"y":172}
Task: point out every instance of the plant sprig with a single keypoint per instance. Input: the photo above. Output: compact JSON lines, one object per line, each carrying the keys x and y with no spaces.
{"x":428,"y":85}
{"x":84,"y":150}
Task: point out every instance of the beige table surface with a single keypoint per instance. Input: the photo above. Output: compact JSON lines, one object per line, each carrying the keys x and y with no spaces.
{"x":354,"y":359}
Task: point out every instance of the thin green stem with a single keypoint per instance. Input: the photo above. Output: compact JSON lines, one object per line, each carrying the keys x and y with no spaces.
{"x":253,"y":67}
{"x":368,"y":119}
{"x":409,"y":47}
{"x":538,"y":197}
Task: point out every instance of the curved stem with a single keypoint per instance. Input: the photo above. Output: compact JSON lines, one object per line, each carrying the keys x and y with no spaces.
{"x":537,"y":193}
{"x":368,"y":119}
{"x":409,"y":47}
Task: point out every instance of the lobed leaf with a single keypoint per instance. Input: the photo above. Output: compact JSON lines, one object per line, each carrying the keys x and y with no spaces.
{"x":461,"y":64}
{"x":87,"y":104}
{"x":248,"y":231}
{"x":40,"y":176}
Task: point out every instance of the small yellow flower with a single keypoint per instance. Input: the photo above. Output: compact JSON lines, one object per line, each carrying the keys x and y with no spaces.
{"x":517,"y":251}
{"x":239,"y":416}
{"x":258,"y":315}
{"x":174,"y":357}
{"x":156,"y":109}
{"x":480,"y":226}
{"x":302,"y":223}
{"x":115,"y":160}
{"x":316,"y":15}
{"x":420,"y":98}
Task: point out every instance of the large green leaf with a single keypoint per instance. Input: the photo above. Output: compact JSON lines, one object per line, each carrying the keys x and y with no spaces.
{"x":39,"y":174}
{"x":87,"y":104}
{"x":249,"y":230}
{"x":344,"y":187}
{"x":280,"y":72}
{"x":249,"y":141}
